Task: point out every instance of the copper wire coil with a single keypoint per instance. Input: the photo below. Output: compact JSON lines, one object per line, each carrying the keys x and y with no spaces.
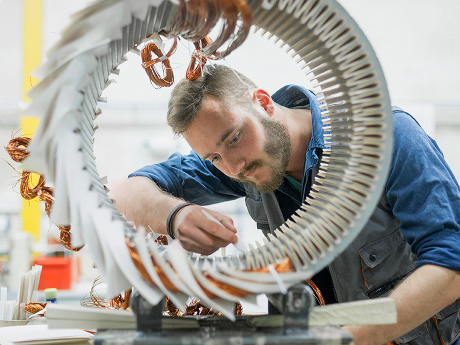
{"x":195,"y":67}
{"x":121,"y":301}
{"x":230,"y":289}
{"x":171,"y":308}
{"x":34,"y":307}
{"x":232,"y":11}
{"x":318,"y":295}
{"x":26,"y":191}
{"x":149,"y":64}
{"x":194,"y":20}
{"x":92,"y":299}
{"x":66,"y":238}
{"x":141,"y":268}
{"x":162,"y":239}
{"x":197,"y":308}
{"x":45,"y":194}
{"x":171,"y":287}
{"x":238,"y":309}
{"x":17,"y":148}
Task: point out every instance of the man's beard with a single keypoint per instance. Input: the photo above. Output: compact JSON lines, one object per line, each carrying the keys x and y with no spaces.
{"x":278,"y":148}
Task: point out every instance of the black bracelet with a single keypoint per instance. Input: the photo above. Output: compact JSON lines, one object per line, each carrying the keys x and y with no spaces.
{"x":171,"y":216}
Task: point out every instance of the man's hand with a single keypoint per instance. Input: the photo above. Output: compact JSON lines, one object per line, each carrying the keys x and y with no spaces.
{"x":199,"y":234}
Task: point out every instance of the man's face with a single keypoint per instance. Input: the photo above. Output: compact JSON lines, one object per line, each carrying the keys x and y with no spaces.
{"x":245,"y":144}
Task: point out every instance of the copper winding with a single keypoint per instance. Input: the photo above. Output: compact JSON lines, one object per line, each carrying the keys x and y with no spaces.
{"x":149,"y":64}
{"x":238,"y":309}
{"x":92,"y":299}
{"x":141,"y":268}
{"x":34,"y":307}
{"x":26,"y":191}
{"x":45,"y":194}
{"x":232,"y":290}
{"x":284,"y":266}
{"x":162,"y":239}
{"x":318,"y":295}
{"x":195,"y":308}
{"x":196,"y":18}
{"x":121,"y":301}
{"x":17,"y":149}
{"x":171,"y":308}
{"x":195,"y":67}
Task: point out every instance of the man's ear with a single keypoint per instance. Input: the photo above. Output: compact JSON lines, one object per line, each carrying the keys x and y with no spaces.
{"x":264,"y":99}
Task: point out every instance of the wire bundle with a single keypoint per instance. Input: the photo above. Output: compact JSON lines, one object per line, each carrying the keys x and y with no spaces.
{"x":152,"y":49}
{"x":17,"y":150}
{"x":194,"y":20}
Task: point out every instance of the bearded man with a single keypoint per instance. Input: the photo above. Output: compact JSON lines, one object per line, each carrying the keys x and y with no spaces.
{"x":267,"y":149}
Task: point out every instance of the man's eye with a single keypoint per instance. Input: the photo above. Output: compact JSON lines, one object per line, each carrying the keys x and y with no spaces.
{"x":235,"y":139}
{"x":214,"y":159}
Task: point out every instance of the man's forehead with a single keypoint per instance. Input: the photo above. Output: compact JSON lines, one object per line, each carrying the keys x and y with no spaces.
{"x":212,"y":125}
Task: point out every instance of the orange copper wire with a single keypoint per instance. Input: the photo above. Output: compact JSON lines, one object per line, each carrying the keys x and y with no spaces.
{"x":196,"y":18}
{"x":34,"y":307}
{"x":141,"y":268}
{"x":17,"y":148}
{"x":162,"y":239}
{"x":232,"y":11}
{"x":92,"y":299}
{"x":26,"y":191}
{"x":318,"y":295}
{"x":195,"y":67}
{"x":45,"y":194}
{"x":232,"y":290}
{"x":197,"y":308}
{"x":149,"y":64}
{"x":66,"y":238}
{"x":238,"y":309}
{"x":171,"y":308}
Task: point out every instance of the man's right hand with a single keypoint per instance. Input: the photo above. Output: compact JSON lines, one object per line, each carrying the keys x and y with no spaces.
{"x":199,"y":234}
{"x":145,"y":204}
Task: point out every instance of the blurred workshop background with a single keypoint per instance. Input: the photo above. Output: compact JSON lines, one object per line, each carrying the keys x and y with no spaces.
{"x":416,"y":41}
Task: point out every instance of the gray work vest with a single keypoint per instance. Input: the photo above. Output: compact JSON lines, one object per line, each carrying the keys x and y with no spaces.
{"x":372,"y":266}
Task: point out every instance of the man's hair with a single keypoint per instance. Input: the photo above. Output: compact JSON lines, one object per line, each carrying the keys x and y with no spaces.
{"x":219,"y":82}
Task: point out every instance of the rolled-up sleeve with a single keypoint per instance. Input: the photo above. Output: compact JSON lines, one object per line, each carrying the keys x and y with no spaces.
{"x":194,"y":180}
{"x":424,"y":195}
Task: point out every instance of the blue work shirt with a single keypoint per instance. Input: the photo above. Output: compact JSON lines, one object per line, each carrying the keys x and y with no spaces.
{"x":421,"y":188}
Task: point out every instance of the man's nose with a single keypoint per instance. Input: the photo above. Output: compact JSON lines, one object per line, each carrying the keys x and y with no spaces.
{"x":235,"y":163}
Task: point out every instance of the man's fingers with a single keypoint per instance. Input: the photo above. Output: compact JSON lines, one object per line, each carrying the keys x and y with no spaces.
{"x":199,"y":241}
{"x":203,"y":231}
{"x":226,"y":221}
{"x":219,"y":231}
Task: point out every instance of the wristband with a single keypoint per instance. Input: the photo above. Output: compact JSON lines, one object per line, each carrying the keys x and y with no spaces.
{"x":172,"y":215}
